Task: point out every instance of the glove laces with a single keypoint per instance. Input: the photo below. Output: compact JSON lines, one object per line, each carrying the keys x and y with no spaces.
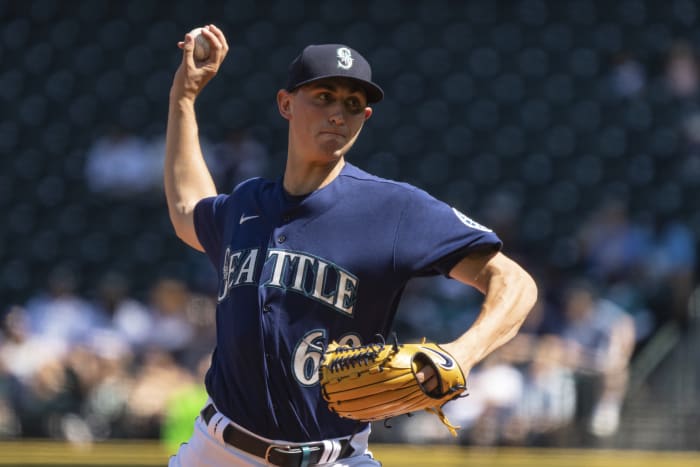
{"x":353,"y":357}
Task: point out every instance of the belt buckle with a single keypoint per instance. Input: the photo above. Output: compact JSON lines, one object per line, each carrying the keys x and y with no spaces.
{"x":281,"y":447}
{"x":286,"y":450}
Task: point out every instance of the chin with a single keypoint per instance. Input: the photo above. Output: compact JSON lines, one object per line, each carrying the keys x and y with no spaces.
{"x":332,"y":151}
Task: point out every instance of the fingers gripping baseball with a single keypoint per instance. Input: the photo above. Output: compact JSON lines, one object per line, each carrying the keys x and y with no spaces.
{"x":193,"y":74}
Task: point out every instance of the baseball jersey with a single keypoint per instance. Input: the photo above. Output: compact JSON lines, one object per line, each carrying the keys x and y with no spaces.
{"x":297,"y":272}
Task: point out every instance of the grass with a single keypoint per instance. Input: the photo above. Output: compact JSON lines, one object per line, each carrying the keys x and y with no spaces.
{"x":150,"y":453}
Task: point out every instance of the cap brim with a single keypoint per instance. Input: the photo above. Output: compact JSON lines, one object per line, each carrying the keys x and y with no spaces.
{"x":374,"y":93}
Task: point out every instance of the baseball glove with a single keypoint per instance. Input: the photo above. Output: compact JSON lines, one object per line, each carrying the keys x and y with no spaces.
{"x":378,"y":381}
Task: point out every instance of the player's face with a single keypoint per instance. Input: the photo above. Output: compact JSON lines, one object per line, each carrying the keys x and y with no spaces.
{"x":325,"y":118}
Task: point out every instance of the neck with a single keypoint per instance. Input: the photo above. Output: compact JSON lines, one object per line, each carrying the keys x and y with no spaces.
{"x":304,"y":179}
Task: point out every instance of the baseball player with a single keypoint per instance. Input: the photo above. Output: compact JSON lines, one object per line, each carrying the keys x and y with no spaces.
{"x":322,"y":253}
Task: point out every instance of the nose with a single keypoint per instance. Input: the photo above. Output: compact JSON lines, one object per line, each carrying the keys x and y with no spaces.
{"x":336,"y":116}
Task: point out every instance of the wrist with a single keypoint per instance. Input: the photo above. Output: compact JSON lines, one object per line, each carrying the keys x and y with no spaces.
{"x":461,"y":354}
{"x":181,"y":97}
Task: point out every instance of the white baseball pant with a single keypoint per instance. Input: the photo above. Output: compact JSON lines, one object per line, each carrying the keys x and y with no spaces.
{"x":206,"y":448}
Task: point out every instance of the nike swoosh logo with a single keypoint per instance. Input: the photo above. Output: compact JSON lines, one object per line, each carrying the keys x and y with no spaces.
{"x":245,"y":218}
{"x":446,"y":363}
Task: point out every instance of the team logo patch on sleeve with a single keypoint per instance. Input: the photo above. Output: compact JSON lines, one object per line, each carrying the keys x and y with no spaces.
{"x":469,"y":222}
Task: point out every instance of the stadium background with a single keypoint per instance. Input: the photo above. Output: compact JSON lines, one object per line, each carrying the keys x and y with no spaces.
{"x":531,"y":116}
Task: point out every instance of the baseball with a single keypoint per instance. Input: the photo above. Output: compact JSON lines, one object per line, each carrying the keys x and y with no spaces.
{"x":201,"y":45}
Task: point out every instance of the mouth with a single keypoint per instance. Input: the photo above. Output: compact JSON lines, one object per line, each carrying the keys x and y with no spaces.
{"x":332,"y":133}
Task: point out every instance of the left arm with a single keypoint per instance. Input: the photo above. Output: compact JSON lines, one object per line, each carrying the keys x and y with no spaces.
{"x":509,"y":295}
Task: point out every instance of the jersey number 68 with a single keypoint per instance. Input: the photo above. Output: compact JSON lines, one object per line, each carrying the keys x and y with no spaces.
{"x":307,"y":354}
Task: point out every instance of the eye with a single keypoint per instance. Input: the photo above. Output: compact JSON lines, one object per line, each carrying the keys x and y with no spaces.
{"x":324,"y":97}
{"x":354,"y":105}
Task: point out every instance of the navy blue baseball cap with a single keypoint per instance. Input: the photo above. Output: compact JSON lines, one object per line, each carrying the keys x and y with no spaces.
{"x":332,"y":61}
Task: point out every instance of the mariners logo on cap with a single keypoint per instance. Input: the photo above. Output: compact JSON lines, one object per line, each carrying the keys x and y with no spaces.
{"x":344,"y":58}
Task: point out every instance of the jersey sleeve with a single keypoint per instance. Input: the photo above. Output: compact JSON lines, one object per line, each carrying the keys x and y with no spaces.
{"x":209,"y":217}
{"x":433,"y":237}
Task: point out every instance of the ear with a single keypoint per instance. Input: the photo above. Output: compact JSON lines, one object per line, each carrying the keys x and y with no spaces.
{"x":368,"y":113}
{"x":284,"y":103}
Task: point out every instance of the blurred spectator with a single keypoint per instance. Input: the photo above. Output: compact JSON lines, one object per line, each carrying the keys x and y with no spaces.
{"x":522,"y":394}
{"x":75,"y":375}
{"x":563,"y":370}
{"x":200,"y":314}
{"x":120,"y":165}
{"x":47,"y":400}
{"x":183,"y":406}
{"x":22,"y":354}
{"x":496,"y":389}
{"x":9,"y":422}
{"x":102,"y":372}
{"x":155,"y":382}
{"x":598,"y":338}
{"x":682,"y":82}
{"x":628,"y":77}
{"x":9,"y":384}
{"x":613,"y":247}
{"x":669,"y":275}
{"x":681,"y":73}
{"x":549,"y":397}
{"x":60,"y":313}
{"x":172,"y":331}
{"x":687,"y":160}
{"x":613,"y":253}
{"x":239,"y":157}
{"x":128,"y":318}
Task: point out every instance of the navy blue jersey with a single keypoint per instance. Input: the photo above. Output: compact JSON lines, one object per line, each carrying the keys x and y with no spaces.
{"x":296,"y":272}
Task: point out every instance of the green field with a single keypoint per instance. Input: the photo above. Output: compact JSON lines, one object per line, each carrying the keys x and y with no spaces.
{"x":44,"y":453}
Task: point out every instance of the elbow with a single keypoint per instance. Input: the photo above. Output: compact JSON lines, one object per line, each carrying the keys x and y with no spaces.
{"x":528,"y":294}
{"x":180,"y":215}
{"x":182,"y":220}
{"x":520,"y":284}
{"x":525,"y":292}
{"x":530,"y":290}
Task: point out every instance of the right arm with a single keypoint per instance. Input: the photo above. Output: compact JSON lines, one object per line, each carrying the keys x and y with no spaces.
{"x":186,"y":177}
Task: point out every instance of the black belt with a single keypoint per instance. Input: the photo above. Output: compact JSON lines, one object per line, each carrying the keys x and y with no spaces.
{"x":275,"y":454}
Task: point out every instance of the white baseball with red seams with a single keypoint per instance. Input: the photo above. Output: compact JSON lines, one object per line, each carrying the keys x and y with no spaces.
{"x":201,"y":45}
